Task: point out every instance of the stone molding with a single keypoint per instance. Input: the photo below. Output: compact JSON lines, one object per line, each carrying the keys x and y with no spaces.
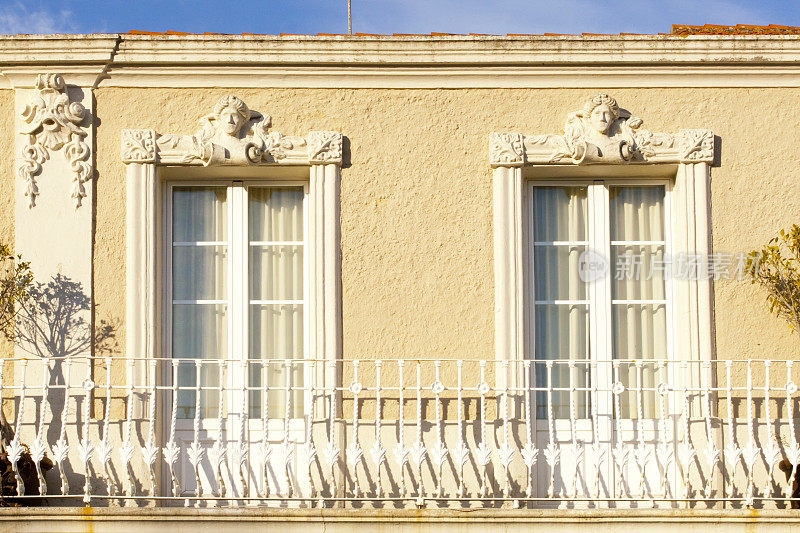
{"x":506,"y":149}
{"x":601,"y":133}
{"x":458,"y":50}
{"x":51,"y":123}
{"x":423,"y":61}
{"x":232,"y":134}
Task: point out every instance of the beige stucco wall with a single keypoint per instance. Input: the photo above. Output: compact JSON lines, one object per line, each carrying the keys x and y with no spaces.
{"x":416,"y":199}
{"x":7,"y":173}
{"x":7,"y":167}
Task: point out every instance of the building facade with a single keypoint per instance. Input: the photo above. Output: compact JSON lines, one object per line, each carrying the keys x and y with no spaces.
{"x":369,"y":280}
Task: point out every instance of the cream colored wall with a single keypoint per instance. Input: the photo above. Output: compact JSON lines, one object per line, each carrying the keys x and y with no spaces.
{"x":7,"y":173}
{"x":416,"y":198}
{"x":7,"y":170}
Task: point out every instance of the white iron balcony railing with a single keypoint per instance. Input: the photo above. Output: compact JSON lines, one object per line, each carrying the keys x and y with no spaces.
{"x":100,"y":431}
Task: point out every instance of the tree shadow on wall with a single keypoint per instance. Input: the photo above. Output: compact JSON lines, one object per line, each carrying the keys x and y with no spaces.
{"x":55,"y":321}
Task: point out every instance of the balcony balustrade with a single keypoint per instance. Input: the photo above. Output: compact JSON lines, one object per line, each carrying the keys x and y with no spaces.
{"x":392,"y":433}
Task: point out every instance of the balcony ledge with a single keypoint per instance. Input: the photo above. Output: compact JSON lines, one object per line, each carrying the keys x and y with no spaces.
{"x":181,"y":520}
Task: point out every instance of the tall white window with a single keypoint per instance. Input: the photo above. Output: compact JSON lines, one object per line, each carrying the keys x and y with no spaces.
{"x":598,"y":263}
{"x":237,"y":290}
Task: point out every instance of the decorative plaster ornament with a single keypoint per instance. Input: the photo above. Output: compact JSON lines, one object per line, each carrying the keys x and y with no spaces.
{"x":601,"y":133}
{"x":52,"y":123}
{"x":232,"y":134}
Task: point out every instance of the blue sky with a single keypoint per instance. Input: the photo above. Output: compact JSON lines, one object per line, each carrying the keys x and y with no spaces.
{"x":386,"y":16}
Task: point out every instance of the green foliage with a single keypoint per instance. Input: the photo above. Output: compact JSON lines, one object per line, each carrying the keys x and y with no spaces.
{"x":776,"y":267}
{"x":15,"y":281}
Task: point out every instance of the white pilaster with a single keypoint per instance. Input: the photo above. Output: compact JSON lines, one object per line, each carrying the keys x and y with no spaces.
{"x":54,"y":232}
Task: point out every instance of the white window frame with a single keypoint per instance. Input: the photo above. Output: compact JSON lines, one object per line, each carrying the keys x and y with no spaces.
{"x":599,"y":290}
{"x":238,"y":315}
{"x":683,"y":158}
{"x":152,"y":160}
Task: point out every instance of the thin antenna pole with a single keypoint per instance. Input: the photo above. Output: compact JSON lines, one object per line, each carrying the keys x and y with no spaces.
{"x":349,"y":20}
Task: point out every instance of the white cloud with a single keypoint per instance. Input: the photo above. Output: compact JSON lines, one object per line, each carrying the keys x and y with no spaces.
{"x":15,"y":18}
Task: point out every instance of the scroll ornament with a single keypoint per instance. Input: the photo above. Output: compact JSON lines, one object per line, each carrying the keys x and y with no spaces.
{"x":52,"y":123}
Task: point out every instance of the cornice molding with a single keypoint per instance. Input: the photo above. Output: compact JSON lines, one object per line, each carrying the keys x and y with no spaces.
{"x":51,"y":123}
{"x":83,"y":59}
{"x":415,"y":61}
{"x":232,"y":134}
{"x":601,"y":133}
{"x":452,"y":49}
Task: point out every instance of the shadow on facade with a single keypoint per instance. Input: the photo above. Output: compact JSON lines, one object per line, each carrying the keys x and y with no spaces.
{"x":56,"y":323}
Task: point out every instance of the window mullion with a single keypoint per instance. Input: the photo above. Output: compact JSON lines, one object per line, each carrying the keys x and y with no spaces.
{"x":244,"y":271}
{"x":600,"y":307}
{"x":237,"y":278}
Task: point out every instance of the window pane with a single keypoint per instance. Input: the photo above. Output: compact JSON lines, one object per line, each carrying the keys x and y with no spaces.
{"x":275,"y":374}
{"x":276,"y":332}
{"x":559,"y":378}
{"x":556,"y":273}
{"x":559,"y":213}
{"x":199,"y":331}
{"x":199,"y":214}
{"x":209,"y":393}
{"x":639,"y":331}
{"x":199,"y":272}
{"x":276,"y":213}
{"x":562,"y":333}
{"x":637,"y":213}
{"x":276,"y":272}
{"x":638,"y":272}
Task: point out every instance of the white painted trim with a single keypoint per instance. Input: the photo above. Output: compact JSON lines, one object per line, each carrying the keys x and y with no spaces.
{"x":144,"y":221}
{"x":508,"y":271}
{"x":151,"y":158}
{"x":445,"y":76}
{"x":142,"y":251}
{"x":337,"y":50}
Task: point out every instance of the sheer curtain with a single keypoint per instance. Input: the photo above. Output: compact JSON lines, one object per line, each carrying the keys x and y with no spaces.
{"x":561,"y":308}
{"x":562,"y":318}
{"x":275,"y":294}
{"x":638,"y":292}
{"x":199,"y":295}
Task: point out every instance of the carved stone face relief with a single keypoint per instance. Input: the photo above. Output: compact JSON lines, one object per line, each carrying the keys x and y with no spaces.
{"x":230,"y":116}
{"x":601,"y":118}
{"x":601,"y":133}
{"x":231,"y":121}
{"x":232,"y":134}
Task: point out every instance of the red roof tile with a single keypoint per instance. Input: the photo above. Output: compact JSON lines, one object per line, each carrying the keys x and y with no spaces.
{"x":677,"y":30}
{"x":739,"y":29}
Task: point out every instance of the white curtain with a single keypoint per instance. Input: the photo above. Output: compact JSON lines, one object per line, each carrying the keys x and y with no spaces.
{"x":562,"y":321}
{"x":561,"y":325}
{"x":199,"y":272}
{"x":276,"y":294}
{"x":638,"y":329}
